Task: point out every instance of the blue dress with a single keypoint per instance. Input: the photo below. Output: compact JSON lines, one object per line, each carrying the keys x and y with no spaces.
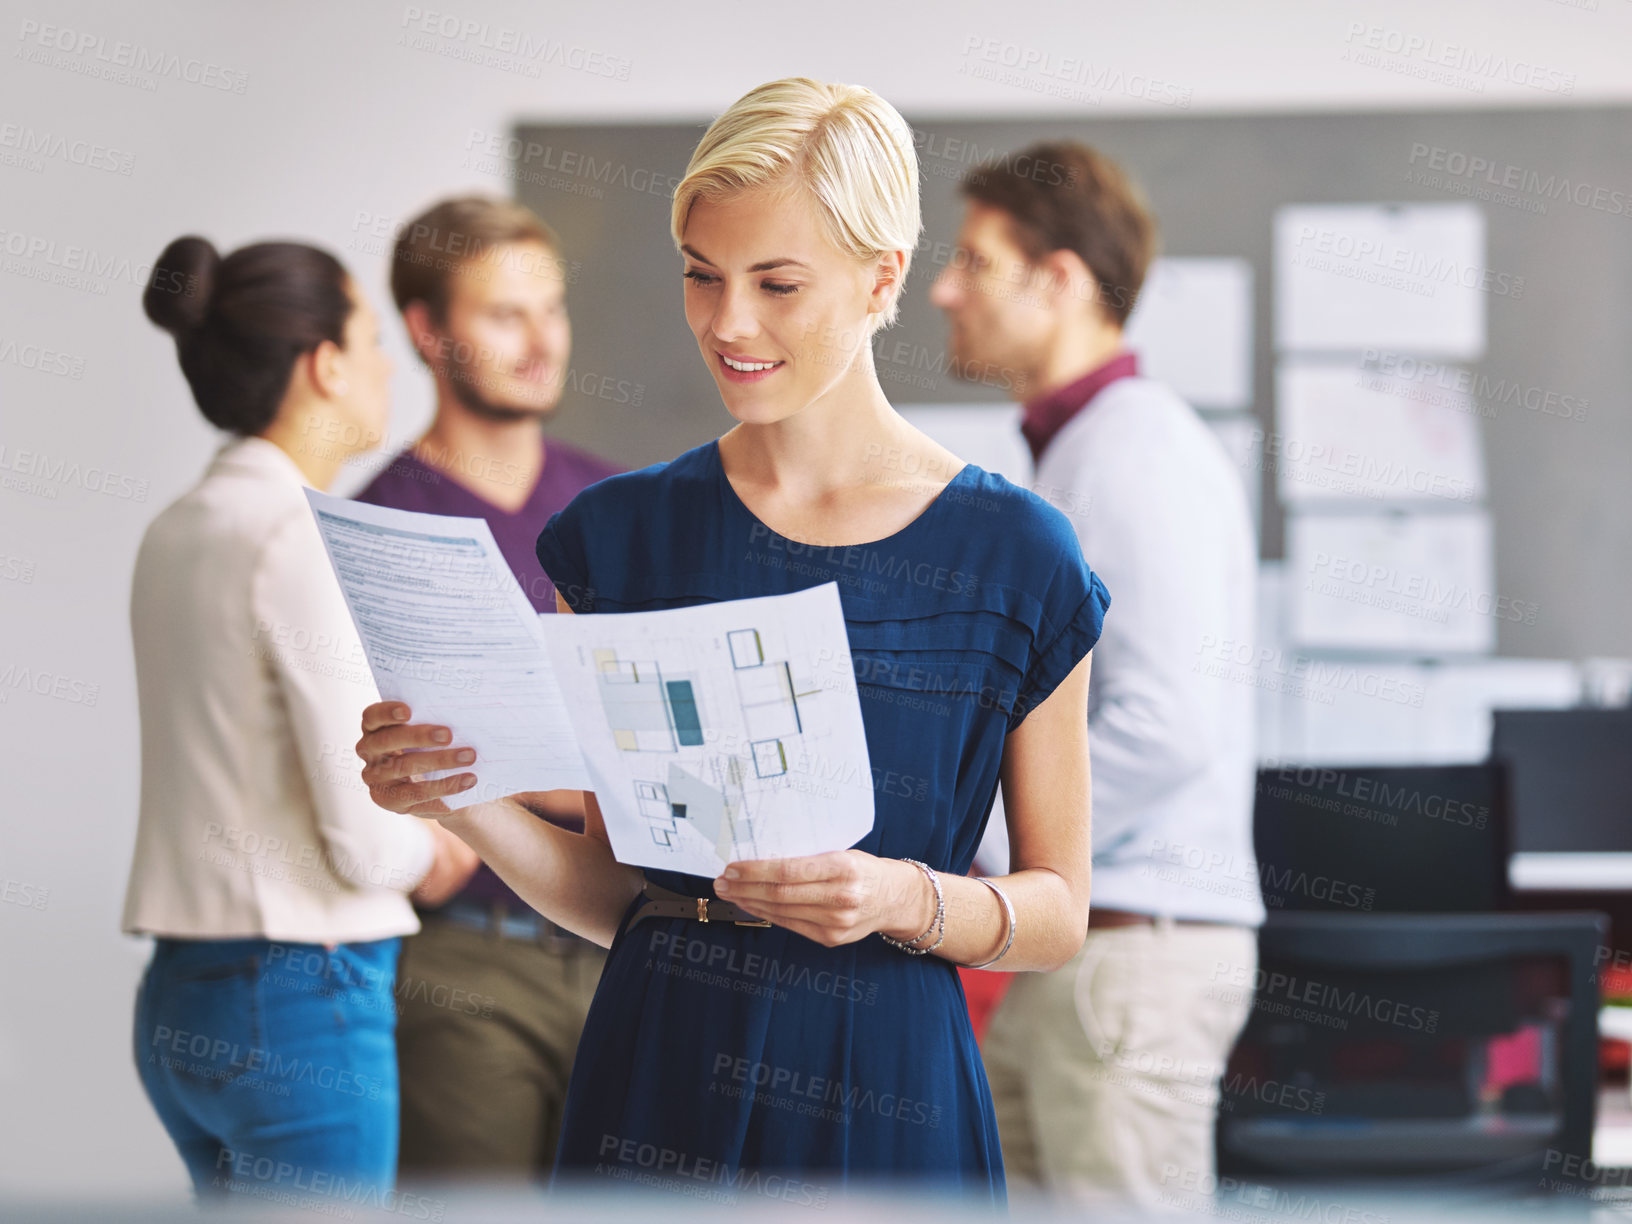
{"x":734,"y":1061}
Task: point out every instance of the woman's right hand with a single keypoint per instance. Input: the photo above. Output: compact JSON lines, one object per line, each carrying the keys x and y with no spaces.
{"x":398,"y":754}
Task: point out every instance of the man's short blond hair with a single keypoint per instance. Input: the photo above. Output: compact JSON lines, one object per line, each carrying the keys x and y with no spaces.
{"x":845,"y":145}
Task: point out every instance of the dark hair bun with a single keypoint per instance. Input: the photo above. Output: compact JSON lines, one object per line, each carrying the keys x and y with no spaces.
{"x":241,"y":321}
{"x":178,"y":292}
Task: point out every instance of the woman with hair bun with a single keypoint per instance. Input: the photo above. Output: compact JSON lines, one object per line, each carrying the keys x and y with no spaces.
{"x":796,"y":1024}
{"x":275,"y":890}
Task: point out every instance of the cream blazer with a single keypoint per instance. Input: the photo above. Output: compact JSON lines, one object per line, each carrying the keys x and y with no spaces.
{"x":251,"y":679}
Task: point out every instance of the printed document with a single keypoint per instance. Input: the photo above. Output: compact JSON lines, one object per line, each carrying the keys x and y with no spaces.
{"x":728,"y":730}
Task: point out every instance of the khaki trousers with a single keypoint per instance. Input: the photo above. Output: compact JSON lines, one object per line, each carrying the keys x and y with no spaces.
{"x":1105,"y":1073}
{"x":487,"y":1029}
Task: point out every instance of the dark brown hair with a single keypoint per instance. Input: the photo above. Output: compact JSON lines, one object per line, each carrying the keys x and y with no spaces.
{"x":241,"y":322}
{"x":1063,"y":196}
{"x":438,"y":242}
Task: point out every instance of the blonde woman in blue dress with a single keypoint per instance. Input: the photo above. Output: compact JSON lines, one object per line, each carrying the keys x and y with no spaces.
{"x":832,"y":1045}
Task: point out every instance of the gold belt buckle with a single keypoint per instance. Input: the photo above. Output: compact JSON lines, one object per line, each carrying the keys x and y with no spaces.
{"x":702,"y":916}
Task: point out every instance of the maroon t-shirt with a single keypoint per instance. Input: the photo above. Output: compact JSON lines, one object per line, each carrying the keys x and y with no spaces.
{"x":410,"y":484}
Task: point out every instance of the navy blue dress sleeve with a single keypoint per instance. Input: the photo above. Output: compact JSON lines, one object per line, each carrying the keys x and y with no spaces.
{"x":1073,"y":615}
{"x":561,"y":552}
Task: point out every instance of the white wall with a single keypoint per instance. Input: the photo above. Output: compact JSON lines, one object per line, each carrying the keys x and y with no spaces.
{"x":337,"y":119}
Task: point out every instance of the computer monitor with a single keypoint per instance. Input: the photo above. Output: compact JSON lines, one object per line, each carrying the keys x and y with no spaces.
{"x":1570,"y":773}
{"x":1382,"y":839}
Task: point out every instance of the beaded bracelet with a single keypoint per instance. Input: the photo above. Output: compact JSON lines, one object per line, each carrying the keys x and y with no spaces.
{"x":1007,"y":909}
{"x":938,"y":921}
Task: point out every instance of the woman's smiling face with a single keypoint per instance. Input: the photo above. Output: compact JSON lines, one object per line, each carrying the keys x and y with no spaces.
{"x":781,"y":313}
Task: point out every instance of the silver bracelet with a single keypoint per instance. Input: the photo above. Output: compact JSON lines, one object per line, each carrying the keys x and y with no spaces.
{"x":938,"y":921}
{"x":1007,"y":909}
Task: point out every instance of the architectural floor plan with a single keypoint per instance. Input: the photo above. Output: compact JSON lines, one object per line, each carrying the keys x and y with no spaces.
{"x":726,"y":731}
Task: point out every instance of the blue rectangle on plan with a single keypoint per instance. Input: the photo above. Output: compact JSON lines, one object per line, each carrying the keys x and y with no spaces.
{"x":683,"y":706}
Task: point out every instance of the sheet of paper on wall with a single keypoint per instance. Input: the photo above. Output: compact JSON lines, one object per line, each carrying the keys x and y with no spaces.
{"x":1352,"y":711}
{"x":1462,"y":696}
{"x":1347,"y":431}
{"x":1360,"y":713}
{"x":447,"y":630}
{"x":1394,"y":278}
{"x":1272,"y":709}
{"x":984,"y":434}
{"x":1410,"y":582}
{"x":1242,"y":436}
{"x":722,"y":731}
{"x":1606,"y":681}
{"x":1192,"y":329}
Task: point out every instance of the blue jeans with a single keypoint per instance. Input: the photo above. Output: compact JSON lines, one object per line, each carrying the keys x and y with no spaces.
{"x":273,"y":1065}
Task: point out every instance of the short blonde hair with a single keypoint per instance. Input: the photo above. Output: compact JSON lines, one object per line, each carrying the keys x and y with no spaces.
{"x":843,"y":143}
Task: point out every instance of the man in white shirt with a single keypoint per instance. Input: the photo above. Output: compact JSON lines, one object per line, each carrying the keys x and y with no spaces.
{"x":1106,"y":1073}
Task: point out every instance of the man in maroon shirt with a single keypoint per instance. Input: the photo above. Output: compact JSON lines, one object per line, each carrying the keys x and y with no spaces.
{"x":491,"y":996}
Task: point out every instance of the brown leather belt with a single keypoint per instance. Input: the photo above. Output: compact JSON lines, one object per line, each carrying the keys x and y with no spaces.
{"x":661,"y":903}
{"x":1101,"y":919}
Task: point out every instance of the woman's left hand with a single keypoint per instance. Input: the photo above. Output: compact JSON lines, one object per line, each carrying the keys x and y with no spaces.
{"x":834,"y":898}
